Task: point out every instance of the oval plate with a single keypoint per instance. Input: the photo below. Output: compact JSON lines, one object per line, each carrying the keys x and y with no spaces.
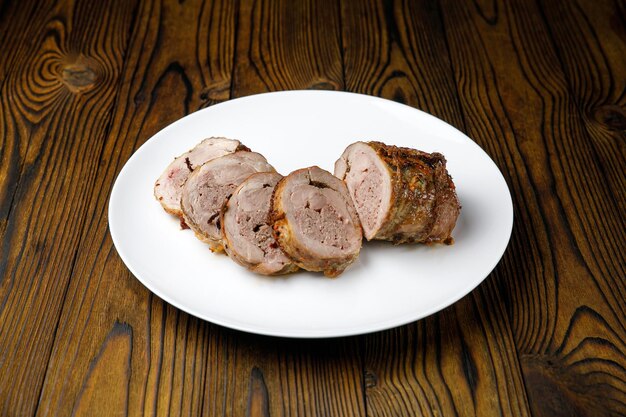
{"x":388,"y":285}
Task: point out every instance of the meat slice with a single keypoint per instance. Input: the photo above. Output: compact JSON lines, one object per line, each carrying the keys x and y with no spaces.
{"x":315,"y":222}
{"x":168,"y":188}
{"x":246,"y":231}
{"x":208,"y":188}
{"x":401,"y":194}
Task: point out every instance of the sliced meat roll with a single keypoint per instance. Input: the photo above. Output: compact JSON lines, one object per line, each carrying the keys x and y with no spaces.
{"x":246,"y":231}
{"x":168,"y":188}
{"x":401,"y":194}
{"x":315,"y":222}
{"x":208,"y":188}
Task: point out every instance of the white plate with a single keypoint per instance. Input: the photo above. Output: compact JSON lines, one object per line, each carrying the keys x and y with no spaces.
{"x":388,"y":286}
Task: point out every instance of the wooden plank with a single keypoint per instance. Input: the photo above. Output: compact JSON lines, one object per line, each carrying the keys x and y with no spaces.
{"x":290,"y":377}
{"x":118,"y":347}
{"x":284,"y":45}
{"x":387,"y":54}
{"x":55,"y":106}
{"x":567,"y":312}
{"x":287,"y":46}
{"x":593,"y":56}
{"x":590,"y":42}
{"x":461,"y":361}
{"x":16,"y":26}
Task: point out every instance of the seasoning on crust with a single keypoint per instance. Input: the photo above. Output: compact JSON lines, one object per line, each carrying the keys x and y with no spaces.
{"x":402,"y":195}
{"x":315,"y":222}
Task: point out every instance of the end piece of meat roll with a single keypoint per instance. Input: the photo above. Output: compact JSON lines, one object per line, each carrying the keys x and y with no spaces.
{"x":246,"y":232}
{"x":169,"y":186}
{"x":401,"y":194}
{"x":315,"y":222}
{"x":208,"y":188}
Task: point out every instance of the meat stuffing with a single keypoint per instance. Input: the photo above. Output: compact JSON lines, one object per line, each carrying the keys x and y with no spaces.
{"x":315,"y":222}
{"x":168,"y":188}
{"x":400,"y":194}
{"x":246,"y":231}
{"x":208,"y":188}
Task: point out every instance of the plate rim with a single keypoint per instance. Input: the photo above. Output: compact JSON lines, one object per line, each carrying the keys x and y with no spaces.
{"x":304,"y":333}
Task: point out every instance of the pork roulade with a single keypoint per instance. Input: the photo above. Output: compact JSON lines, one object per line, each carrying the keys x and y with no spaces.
{"x":169,"y":187}
{"x":401,"y":194}
{"x":246,"y":232}
{"x":208,"y":188}
{"x":315,"y":222}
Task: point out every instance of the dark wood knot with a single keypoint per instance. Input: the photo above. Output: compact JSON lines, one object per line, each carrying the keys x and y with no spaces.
{"x":258,"y":398}
{"x":78,"y":77}
{"x":324,"y":85}
{"x":557,"y":389}
{"x":216,"y":93}
{"x":611,"y":116}
{"x":398,"y":96}
{"x":370,"y":379}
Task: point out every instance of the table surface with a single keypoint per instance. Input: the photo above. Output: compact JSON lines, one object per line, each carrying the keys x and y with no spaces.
{"x":540,"y":85}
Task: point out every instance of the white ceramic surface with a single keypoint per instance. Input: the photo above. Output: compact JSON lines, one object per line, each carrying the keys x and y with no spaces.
{"x":388,"y":286}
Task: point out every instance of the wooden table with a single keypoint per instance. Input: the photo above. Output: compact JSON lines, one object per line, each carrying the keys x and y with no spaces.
{"x":540,"y":85}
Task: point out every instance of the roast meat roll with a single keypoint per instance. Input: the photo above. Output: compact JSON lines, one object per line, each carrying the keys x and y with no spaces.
{"x":401,"y":194}
{"x":169,"y":187}
{"x":315,"y":222}
{"x":246,"y":231}
{"x":208,"y":188}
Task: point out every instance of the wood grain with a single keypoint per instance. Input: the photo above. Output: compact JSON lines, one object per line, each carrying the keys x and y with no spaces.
{"x":111,"y":368}
{"x":298,"y":377}
{"x":593,"y":73}
{"x":386,"y":55}
{"x":15,"y":28}
{"x":175,"y":361}
{"x":461,"y":361}
{"x":282,"y":45}
{"x":590,"y":42}
{"x":59,"y":92}
{"x":567,"y":313}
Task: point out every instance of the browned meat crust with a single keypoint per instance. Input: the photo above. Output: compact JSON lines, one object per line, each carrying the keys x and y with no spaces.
{"x":424,"y":206}
{"x":315,"y":222}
